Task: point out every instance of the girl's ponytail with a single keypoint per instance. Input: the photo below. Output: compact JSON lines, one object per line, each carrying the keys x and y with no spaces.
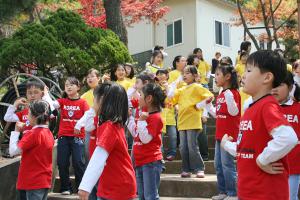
{"x":157,"y":94}
{"x":41,"y":111}
{"x":229,"y":69}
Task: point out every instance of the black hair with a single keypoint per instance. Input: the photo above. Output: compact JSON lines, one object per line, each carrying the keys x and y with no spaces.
{"x":113,"y":70}
{"x":191,"y":59}
{"x":162,"y":71}
{"x":41,"y":111}
{"x":289,"y":80}
{"x":196,"y":50}
{"x":101,"y":90}
{"x":156,"y":53}
{"x":114,"y":106}
{"x":229,"y":69}
{"x":176,"y":60}
{"x":131,"y":75}
{"x":192,"y":69}
{"x":158,"y":48}
{"x":269,"y":61}
{"x":93,"y":70}
{"x":245,"y":45}
{"x":226,"y":60}
{"x":33,"y":83}
{"x":146,"y":77}
{"x":157,"y":94}
{"x":72,"y":80}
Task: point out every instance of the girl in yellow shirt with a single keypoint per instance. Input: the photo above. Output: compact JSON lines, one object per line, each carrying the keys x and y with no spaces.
{"x":118,"y":74}
{"x":92,"y":79}
{"x":241,"y":67}
{"x":189,"y":120}
{"x":130,"y":73}
{"x":156,"y":62}
{"x":203,"y":68}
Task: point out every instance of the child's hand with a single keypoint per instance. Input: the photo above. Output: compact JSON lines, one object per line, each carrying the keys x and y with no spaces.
{"x":105,"y":77}
{"x":21,"y":101}
{"x":204,"y":120}
{"x":76,"y":131}
{"x":19,"y":127}
{"x":83,"y":195}
{"x":143,"y":116}
{"x":272,"y":168}
{"x":225,"y":139}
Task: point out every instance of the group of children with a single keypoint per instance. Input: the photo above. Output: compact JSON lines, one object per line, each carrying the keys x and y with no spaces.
{"x":94,"y":129}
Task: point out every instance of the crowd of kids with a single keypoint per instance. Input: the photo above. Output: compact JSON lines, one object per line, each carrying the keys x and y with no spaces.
{"x":255,"y":105}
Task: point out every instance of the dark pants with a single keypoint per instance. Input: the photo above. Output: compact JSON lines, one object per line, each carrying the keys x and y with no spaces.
{"x":66,"y":147}
{"x":203,"y":143}
{"x":21,"y":195}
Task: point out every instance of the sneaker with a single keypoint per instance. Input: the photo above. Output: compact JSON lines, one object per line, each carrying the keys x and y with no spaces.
{"x":66,"y":192}
{"x":200,"y":174}
{"x":231,"y":198}
{"x":219,"y":197}
{"x":186,"y":175}
{"x":170,"y":158}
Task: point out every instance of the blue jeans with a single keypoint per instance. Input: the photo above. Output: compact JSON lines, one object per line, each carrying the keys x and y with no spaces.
{"x":225,"y":170}
{"x":189,"y":150}
{"x":172,"y":134}
{"x":294,"y":181}
{"x":86,"y":146}
{"x":203,"y":143}
{"x":66,"y":147}
{"x":148,"y":180}
{"x":40,"y":194}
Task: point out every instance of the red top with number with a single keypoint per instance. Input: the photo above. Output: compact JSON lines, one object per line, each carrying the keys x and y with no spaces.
{"x":226,"y":123}
{"x":151,"y":152}
{"x":256,"y":125}
{"x":35,"y":170}
{"x":118,"y":178}
{"x":23,"y":117}
{"x":71,"y":111}
{"x":292,"y":114}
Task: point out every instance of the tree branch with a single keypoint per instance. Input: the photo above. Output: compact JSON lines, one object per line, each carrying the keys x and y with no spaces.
{"x":263,"y":7}
{"x":288,"y":19}
{"x":245,"y":25}
{"x":273,"y":24}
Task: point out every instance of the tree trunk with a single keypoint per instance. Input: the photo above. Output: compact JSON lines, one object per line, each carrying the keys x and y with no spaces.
{"x":114,"y":19}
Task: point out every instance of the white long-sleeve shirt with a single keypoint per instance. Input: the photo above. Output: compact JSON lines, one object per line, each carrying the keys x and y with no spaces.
{"x":87,"y":121}
{"x":281,"y":144}
{"x":139,"y":129}
{"x":10,"y":115}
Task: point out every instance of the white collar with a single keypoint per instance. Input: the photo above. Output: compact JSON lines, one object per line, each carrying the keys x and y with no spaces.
{"x":40,"y":126}
{"x":288,"y":102}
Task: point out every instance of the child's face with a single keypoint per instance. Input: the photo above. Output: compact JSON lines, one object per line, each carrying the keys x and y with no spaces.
{"x":120,"y":73}
{"x":281,"y":92}
{"x":188,"y":77}
{"x":297,"y":71}
{"x":196,"y":61}
{"x":92,"y":80}
{"x":128,"y":70}
{"x":34,"y":93}
{"x":138,"y":84}
{"x":142,"y":101}
{"x":71,"y":89}
{"x":254,"y":79}
{"x":181,"y":64}
{"x":220,"y":78}
{"x":97,"y":104}
{"x":199,"y":54}
{"x":161,"y":77}
{"x":218,"y":56}
{"x":158,"y":59}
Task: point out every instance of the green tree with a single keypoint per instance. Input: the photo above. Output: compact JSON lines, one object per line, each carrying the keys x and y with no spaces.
{"x":63,"y":42}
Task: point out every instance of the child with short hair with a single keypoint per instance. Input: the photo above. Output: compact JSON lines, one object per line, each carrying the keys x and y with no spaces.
{"x":111,"y":156}
{"x":189,"y":120}
{"x":288,"y":95}
{"x":36,"y":145}
{"x":265,"y":136}
{"x":70,"y":142}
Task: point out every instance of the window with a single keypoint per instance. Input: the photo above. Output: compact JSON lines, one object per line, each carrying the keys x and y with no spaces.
{"x":174,"y":33}
{"x":222,"y":33}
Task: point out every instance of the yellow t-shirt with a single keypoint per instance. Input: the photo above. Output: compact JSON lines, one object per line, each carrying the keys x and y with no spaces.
{"x":244,"y":97}
{"x":125,"y":84}
{"x":89,"y":97}
{"x":153,"y":69}
{"x":238,"y":60}
{"x":132,"y":81}
{"x":289,"y":67}
{"x":203,"y":69}
{"x":240,"y":68}
{"x":189,"y":117}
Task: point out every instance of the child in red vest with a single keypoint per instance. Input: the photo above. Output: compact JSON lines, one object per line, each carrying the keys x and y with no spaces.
{"x":36,"y":145}
{"x":265,"y":136}
{"x":227,"y":114}
{"x":288,"y":95}
{"x":72,"y":108}
{"x":111,"y":161}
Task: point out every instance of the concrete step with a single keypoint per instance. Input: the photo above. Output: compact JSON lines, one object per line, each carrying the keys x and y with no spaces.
{"x":57,"y":196}
{"x":172,"y":185}
{"x":174,"y":167}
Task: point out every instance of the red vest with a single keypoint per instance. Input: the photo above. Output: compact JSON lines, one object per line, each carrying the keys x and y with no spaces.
{"x":255,"y":127}
{"x":292,"y":114}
